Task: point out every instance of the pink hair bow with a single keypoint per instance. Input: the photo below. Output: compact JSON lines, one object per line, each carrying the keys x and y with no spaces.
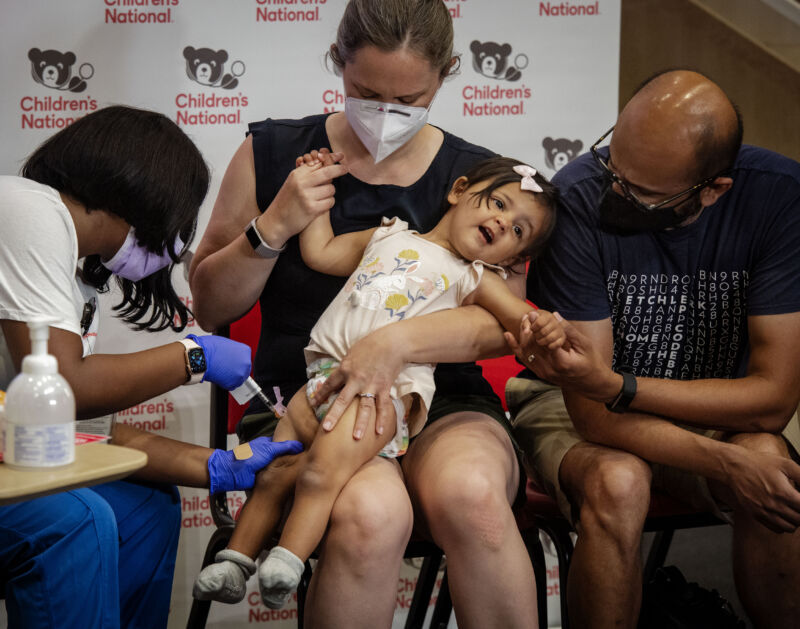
{"x":528,"y":182}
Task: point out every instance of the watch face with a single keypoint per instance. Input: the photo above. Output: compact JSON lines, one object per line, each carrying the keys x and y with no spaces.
{"x":197,"y":360}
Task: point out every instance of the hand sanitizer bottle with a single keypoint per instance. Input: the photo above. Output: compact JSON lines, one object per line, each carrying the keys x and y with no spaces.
{"x":39,"y":410}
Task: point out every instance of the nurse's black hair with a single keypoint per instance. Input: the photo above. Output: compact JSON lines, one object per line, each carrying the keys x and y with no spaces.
{"x":139,"y":165}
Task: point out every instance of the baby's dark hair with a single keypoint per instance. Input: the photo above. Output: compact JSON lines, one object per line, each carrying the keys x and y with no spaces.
{"x":499,"y":171}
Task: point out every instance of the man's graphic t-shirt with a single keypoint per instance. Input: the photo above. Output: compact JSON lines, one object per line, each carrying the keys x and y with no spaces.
{"x":679,"y":299}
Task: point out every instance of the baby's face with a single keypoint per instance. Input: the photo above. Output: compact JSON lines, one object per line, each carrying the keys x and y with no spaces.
{"x":499,"y":228}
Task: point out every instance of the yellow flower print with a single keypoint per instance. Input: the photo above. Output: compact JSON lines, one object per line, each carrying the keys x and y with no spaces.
{"x":442,"y":282}
{"x":396,"y":301}
{"x":408,"y":254}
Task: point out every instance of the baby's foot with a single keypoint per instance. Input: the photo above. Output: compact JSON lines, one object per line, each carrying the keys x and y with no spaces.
{"x":279,"y":576}
{"x":224,"y":581}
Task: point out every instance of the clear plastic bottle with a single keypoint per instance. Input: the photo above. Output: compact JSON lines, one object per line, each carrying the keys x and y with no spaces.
{"x":39,"y":410}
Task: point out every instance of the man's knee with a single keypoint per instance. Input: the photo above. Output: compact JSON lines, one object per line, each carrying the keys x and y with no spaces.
{"x":613,"y":492}
{"x":765,"y":442}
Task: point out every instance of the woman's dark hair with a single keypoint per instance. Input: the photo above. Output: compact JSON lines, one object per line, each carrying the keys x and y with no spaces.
{"x":141,"y":166}
{"x":499,"y":171}
{"x":423,"y":26}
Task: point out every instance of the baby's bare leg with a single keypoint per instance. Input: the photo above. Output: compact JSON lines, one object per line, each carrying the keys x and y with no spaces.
{"x":331,"y":461}
{"x":262,"y":512}
{"x":225,"y":580}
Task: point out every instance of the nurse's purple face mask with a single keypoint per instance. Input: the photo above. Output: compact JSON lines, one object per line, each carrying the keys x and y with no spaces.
{"x":134,"y":262}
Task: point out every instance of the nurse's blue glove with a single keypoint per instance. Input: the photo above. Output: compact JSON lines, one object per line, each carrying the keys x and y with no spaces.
{"x":227,"y":362}
{"x":229,"y":470}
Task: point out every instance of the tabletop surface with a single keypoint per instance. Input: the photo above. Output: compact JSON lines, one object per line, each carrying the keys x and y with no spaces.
{"x":94,"y":463}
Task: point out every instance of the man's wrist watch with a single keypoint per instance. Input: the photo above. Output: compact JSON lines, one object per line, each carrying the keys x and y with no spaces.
{"x":258,"y":244}
{"x":624,"y":398}
{"x":195,"y":359}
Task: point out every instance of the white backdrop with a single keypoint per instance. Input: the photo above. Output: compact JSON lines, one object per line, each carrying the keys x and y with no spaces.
{"x":553,"y":92}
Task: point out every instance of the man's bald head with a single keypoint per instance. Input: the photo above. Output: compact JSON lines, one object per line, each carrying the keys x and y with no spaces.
{"x":688,"y":118}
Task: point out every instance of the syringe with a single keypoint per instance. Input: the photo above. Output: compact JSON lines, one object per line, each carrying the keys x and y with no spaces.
{"x":250,"y":389}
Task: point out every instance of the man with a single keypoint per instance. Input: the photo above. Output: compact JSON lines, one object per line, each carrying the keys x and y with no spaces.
{"x":676,"y":261}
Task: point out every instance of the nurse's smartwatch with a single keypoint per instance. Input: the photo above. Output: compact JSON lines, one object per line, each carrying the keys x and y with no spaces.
{"x":624,"y":398}
{"x":195,"y":360}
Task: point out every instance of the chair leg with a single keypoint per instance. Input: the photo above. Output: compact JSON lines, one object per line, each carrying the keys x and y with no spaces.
{"x":198,"y":615}
{"x":302,"y":593}
{"x":563,"y":546}
{"x":443,"y":607}
{"x":533,"y":544}
{"x":422,"y":592}
{"x":657,"y":554}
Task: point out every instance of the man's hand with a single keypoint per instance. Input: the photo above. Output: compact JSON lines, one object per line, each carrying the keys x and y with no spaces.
{"x":227,"y":473}
{"x":371,"y":366}
{"x":765,"y":486}
{"x":572,"y":363}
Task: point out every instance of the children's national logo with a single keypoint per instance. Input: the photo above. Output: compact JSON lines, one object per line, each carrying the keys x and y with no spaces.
{"x":54,"y":69}
{"x":493,"y":60}
{"x":222,"y":104}
{"x":559,"y":152}
{"x":504,"y":94}
{"x":207,"y":67}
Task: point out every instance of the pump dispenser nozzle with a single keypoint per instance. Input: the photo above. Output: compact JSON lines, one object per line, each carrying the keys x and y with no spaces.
{"x":39,"y":362}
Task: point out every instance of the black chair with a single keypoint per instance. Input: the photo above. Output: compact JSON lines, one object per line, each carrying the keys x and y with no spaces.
{"x":666,"y":515}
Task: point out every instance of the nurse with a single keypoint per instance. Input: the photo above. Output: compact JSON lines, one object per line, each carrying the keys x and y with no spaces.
{"x":114,"y":195}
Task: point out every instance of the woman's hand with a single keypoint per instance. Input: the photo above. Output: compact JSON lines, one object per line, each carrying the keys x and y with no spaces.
{"x":307,"y":192}
{"x":370,"y":367}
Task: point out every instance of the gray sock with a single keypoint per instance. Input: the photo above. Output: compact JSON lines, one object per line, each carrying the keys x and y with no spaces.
{"x":226,"y":580}
{"x":279,"y":576}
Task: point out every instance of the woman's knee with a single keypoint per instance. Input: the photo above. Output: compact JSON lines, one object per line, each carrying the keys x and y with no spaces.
{"x":375,"y":519}
{"x":468,"y":503}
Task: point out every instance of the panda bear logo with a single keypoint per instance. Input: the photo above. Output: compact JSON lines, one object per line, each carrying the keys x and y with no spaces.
{"x":53,"y":69}
{"x":207,"y":67}
{"x":559,"y":152}
{"x":491,"y":59}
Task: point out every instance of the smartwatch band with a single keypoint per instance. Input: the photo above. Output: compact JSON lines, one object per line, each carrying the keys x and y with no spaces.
{"x":195,"y":361}
{"x":620,"y":403}
{"x":258,"y":244}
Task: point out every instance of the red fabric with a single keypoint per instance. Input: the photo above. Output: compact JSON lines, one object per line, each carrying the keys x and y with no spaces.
{"x":497,"y":371}
{"x":245,"y":330}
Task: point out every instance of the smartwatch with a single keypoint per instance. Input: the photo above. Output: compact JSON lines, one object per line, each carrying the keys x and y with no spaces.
{"x":623,"y":399}
{"x":258,"y":244}
{"x":195,"y":359}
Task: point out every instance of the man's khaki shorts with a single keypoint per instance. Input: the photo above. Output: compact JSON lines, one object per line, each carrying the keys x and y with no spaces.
{"x":545,"y":433}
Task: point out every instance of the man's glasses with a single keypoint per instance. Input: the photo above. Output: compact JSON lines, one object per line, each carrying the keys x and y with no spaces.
{"x":630,"y":194}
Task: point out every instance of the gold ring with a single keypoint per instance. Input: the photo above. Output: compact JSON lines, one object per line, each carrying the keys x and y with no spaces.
{"x":531,"y":358}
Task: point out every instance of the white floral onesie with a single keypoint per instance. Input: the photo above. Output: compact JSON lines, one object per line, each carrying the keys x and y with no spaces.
{"x":401,"y":275}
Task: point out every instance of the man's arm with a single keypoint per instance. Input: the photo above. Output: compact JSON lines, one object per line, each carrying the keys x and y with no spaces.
{"x":763,"y":485}
{"x":762,"y":401}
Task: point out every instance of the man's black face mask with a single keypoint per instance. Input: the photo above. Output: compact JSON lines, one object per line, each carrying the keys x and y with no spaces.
{"x":621,"y":215}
